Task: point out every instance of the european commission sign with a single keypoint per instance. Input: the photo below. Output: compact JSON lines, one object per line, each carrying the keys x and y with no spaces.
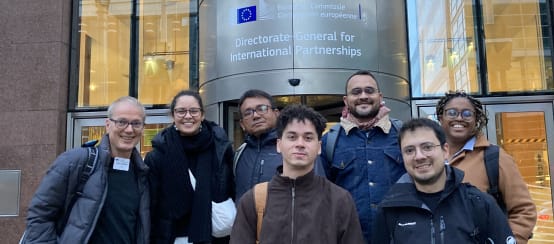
{"x":247,"y":14}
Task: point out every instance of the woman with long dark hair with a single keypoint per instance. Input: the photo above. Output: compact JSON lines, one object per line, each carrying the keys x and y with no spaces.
{"x":191,"y":167}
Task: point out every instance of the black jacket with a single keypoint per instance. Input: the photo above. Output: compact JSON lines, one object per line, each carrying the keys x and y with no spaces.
{"x":164,"y":225}
{"x":257,"y":162}
{"x":403,"y":218}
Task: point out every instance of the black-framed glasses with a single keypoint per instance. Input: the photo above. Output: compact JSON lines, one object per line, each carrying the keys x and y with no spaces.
{"x":260,"y":109}
{"x":367,"y":90}
{"x":122,"y":124}
{"x":182,"y":112}
{"x":453,"y":113}
{"x":426,"y":148}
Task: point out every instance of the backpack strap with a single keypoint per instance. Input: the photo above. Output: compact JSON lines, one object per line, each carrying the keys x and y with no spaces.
{"x":260,"y":198}
{"x":238,"y":153}
{"x":332,"y":137}
{"x":397,"y":124}
{"x":86,"y":171}
{"x":492,"y":168}
{"x":476,"y":207}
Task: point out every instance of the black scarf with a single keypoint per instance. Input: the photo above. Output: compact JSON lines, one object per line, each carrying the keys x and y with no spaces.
{"x":197,"y":154}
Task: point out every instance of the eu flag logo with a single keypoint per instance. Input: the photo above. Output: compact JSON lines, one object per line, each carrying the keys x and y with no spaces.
{"x":246,"y":14}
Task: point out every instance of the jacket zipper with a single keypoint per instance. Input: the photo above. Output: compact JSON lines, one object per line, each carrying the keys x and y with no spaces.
{"x":261,"y":169}
{"x":293,"y":193}
{"x":432,"y":231}
{"x":99,"y":210}
{"x":442,"y":229}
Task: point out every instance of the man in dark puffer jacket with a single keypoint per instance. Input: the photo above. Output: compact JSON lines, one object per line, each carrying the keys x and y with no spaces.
{"x":114,"y":205}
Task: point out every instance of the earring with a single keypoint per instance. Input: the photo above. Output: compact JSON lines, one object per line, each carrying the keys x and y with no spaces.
{"x":174,"y":126}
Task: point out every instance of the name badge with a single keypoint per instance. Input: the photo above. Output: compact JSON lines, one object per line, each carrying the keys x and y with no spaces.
{"x":121,"y":164}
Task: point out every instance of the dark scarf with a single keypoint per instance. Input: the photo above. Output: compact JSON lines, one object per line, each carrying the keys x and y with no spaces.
{"x":197,"y":154}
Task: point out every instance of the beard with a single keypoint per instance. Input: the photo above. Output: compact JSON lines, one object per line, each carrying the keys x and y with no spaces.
{"x":429,"y":180}
{"x":364,"y":114}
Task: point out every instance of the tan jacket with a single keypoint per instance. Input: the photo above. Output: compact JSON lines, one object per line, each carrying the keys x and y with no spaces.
{"x":522,"y":213}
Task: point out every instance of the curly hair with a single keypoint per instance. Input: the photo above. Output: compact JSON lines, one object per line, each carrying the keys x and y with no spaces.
{"x":480,"y":115}
{"x":301,"y":113}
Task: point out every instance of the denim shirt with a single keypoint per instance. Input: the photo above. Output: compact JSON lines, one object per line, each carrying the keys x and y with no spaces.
{"x":366,"y":163}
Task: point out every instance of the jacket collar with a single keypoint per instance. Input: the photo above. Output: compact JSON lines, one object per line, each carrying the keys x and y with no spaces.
{"x":268,"y":138}
{"x":301,"y":182}
{"x":383,"y":123}
{"x":404,"y":192}
{"x":104,"y":152}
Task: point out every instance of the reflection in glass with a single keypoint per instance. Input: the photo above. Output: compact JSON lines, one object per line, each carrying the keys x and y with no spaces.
{"x":442,"y":45}
{"x":516,"y":43}
{"x":523,"y":135}
{"x":104,"y":40}
{"x":445,"y":50}
{"x":163,"y":49}
{"x":105,"y":36}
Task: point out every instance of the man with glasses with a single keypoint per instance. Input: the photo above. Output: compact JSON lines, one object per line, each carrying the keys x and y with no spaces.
{"x":463,"y":118}
{"x":257,"y":158}
{"x":430,"y":204}
{"x":362,"y":153}
{"x":114,"y":204}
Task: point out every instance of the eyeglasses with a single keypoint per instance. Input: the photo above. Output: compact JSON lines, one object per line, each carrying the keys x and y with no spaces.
{"x":453,"y":113}
{"x":182,"y":112}
{"x":260,"y":109}
{"x":368,"y":90}
{"x":122,"y":124}
{"x":426,"y":149}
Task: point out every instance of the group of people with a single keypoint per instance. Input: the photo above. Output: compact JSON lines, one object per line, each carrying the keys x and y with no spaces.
{"x":369,"y":179}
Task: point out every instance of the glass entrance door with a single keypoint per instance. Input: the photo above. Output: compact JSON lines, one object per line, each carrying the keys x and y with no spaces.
{"x":525,"y":132}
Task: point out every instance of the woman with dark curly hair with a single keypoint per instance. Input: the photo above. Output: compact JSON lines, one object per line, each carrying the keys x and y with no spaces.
{"x":462,"y":117}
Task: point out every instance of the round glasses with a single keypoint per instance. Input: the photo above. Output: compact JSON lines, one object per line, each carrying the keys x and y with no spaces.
{"x":182,"y":112}
{"x":453,"y":113}
{"x":122,"y":124}
{"x":426,"y":148}
{"x":260,"y":109}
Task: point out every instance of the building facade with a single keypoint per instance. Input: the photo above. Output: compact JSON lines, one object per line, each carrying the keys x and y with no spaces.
{"x":65,"y":61}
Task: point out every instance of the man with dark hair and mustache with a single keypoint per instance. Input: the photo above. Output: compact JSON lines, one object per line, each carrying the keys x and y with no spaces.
{"x":363,"y":155}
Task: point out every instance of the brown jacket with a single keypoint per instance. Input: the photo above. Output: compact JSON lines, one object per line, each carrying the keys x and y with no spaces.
{"x":522,"y":213}
{"x":309,"y":209}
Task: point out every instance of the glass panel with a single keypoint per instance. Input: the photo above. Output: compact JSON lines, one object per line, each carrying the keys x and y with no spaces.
{"x":150,"y":130}
{"x":442,"y":47}
{"x":164,"y":50}
{"x":523,"y":135}
{"x":517,"y":39}
{"x":104,"y":36}
{"x":89,"y":133}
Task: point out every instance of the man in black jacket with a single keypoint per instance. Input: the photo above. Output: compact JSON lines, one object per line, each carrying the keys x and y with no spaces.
{"x":430,"y":204}
{"x":256,"y":159}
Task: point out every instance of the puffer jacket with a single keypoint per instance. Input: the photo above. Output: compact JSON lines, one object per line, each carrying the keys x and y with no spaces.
{"x":57,"y":189}
{"x":403,"y":218}
{"x":164,"y":227}
{"x":308,"y":209}
{"x":366,"y":164}
{"x":257,"y":163}
{"x":522,"y":213}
